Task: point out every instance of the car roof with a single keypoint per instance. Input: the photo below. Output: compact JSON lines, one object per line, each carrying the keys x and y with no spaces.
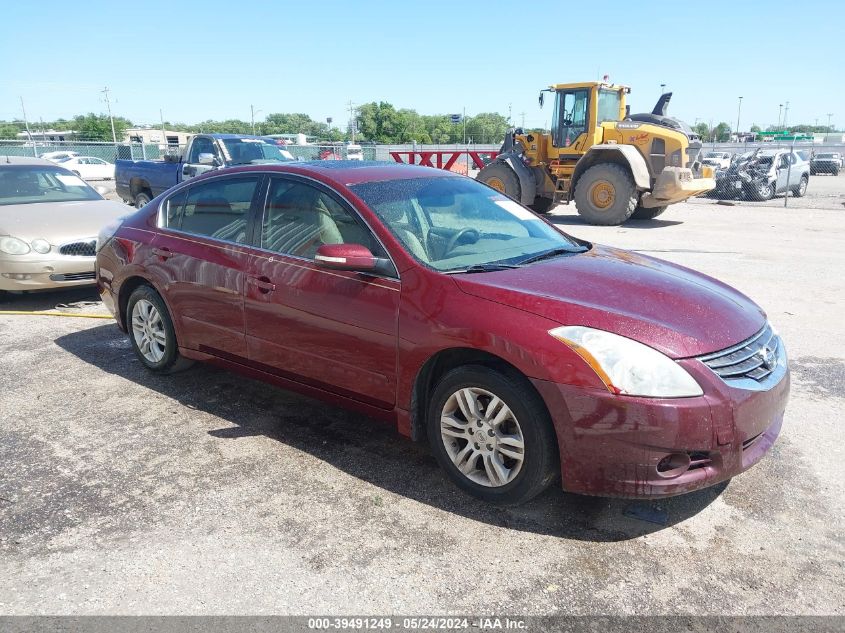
{"x":344,"y":172}
{"x":24,"y":160}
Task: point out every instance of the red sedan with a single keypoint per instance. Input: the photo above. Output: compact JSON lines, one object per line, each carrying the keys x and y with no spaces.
{"x":433,"y":302}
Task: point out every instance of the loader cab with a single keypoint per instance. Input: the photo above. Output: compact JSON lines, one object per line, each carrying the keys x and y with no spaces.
{"x":579,"y":110}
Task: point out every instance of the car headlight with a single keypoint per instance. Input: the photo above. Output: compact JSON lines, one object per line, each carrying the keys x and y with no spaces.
{"x":13,"y":246}
{"x":626,"y":366}
{"x":40,"y":246}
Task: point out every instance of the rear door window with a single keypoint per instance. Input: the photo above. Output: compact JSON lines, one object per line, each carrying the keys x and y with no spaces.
{"x":218,"y":209}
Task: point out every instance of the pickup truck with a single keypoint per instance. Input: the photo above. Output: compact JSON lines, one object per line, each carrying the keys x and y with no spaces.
{"x":139,"y":181}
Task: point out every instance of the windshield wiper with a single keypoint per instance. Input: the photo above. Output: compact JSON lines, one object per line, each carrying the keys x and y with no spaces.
{"x":481,"y":268}
{"x":554,"y":252}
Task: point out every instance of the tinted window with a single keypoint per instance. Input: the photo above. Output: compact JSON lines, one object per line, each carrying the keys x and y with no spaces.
{"x":246,"y":151}
{"x":300,"y":218}
{"x":218,"y":209}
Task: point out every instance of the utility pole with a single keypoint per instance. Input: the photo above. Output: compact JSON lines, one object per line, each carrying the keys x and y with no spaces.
{"x":509,"y":114}
{"x":163,"y":133}
{"x":252,"y":113}
{"x":352,"y":120}
{"x":738,"y":111}
{"x":105,"y":91}
{"x":829,"y":114}
{"x":28,"y":133}
{"x":785,"y":114}
{"x":522,"y":114}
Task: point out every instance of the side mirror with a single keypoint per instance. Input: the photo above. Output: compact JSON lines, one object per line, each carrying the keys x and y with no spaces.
{"x":206,"y":159}
{"x":346,"y":257}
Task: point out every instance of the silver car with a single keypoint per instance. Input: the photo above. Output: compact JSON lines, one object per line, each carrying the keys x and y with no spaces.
{"x":49,"y":221}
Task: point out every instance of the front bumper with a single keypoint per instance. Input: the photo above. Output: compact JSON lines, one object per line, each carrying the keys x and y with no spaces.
{"x":676,"y":184}
{"x":611,"y":445}
{"x":19,"y":273}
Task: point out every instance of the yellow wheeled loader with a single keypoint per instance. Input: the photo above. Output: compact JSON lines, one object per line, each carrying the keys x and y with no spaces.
{"x":613,"y":164}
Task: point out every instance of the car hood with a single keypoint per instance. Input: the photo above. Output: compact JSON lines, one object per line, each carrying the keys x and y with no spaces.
{"x":58,"y":222}
{"x":673,"y":309}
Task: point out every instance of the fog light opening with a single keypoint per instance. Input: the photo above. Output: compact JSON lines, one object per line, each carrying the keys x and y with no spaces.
{"x":673,"y":465}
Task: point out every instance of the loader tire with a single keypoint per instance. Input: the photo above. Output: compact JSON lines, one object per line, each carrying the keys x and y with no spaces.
{"x":501,"y":178}
{"x":605,"y":194}
{"x":642,"y":213}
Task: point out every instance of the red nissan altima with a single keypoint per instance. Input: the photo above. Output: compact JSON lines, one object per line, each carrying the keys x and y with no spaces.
{"x":437,"y":304}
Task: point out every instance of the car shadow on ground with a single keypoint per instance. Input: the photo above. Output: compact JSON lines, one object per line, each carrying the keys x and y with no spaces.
{"x":80,"y":296}
{"x":378,"y":454}
{"x":577,"y":220}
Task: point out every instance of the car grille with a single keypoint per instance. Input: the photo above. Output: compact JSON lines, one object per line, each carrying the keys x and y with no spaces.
{"x":81,"y":248}
{"x":755,"y":358}
{"x":73,"y":276}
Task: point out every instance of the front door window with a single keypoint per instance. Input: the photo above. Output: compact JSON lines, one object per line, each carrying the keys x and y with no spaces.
{"x":570,"y":117}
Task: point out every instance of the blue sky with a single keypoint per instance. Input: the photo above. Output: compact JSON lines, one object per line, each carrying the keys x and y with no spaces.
{"x":211,"y":59}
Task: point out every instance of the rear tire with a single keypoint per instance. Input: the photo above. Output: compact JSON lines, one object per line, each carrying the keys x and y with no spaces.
{"x":642,"y":213}
{"x":799,"y":190}
{"x":606,"y":195}
{"x":475,"y":442}
{"x":151,"y":332}
{"x":501,"y":178}
{"x":142,"y":199}
{"x":542,"y":205}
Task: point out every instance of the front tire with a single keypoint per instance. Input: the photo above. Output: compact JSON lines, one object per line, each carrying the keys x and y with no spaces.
{"x":492,"y":435}
{"x":542,"y":205}
{"x":643,"y":213}
{"x":501,"y":178}
{"x":151,"y":332}
{"x":762,"y":192}
{"x":606,"y":195}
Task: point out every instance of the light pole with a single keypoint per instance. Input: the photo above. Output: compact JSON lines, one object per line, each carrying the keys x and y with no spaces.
{"x":829,"y":114}
{"x":785,"y":114}
{"x":662,"y":88}
{"x":738,"y":111}
{"x":780,"y":112}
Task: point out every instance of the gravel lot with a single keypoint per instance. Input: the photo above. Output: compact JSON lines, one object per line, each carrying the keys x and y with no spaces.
{"x":207,"y":493}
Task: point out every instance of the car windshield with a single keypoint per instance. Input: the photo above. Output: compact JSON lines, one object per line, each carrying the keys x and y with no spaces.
{"x":246,"y":151}
{"x":27,"y":184}
{"x":452,"y":224}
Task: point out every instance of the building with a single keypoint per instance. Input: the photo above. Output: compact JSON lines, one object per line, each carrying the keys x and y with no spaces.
{"x":155,"y":136}
{"x":48,"y":135}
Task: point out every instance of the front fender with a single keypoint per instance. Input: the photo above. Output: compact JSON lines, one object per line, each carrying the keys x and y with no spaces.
{"x":527,"y":185}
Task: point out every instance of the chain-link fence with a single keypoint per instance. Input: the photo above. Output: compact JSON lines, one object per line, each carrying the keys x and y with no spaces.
{"x":153,"y":151}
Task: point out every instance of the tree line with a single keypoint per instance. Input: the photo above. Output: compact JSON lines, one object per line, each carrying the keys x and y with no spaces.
{"x":377,"y":122}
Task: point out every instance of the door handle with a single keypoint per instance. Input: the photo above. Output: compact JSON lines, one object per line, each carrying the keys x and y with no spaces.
{"x":163,"y":252}
{"x":263,"y":284}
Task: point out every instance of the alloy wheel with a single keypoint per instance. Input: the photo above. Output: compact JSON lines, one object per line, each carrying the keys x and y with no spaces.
{"x":482,"y":437}
{"x":148,"y":331}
